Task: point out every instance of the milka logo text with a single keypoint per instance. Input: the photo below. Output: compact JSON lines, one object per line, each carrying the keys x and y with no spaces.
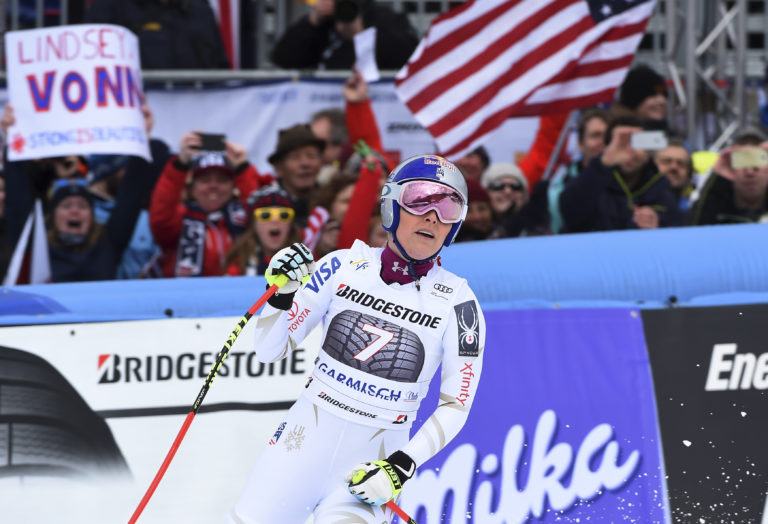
{"x":558,"y":477}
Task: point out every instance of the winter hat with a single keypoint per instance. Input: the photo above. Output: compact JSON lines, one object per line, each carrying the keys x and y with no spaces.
{"x":270,"y":196}
{"x":476,"y":192}
{"x":293,"y":138}
{"x":502,"y":169}
{"x":103,"y":166}
{"x":67,"y":187}
{"x":640,"y":83}
{"x":210,"y":159}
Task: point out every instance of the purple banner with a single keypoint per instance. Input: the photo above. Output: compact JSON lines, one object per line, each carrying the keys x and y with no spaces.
{"x":563,"y":428}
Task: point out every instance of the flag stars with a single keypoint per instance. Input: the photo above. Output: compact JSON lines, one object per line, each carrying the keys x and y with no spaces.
{"x":606,"y":10}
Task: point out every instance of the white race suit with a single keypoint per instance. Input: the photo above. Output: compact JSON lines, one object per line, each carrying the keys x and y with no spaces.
{"x":382,"y":344}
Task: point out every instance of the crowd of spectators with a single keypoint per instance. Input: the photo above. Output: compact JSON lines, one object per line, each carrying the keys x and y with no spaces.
{"x":205,"y":211}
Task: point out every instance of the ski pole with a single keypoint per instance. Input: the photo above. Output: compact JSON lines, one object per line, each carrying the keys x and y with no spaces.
{"x":400,"y":513}
{"x":282,"y":279}
{"x":199,"y":401}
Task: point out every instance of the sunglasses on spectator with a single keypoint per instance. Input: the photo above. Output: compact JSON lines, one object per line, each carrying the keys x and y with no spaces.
{"x":267,"y":214}
{"x":499,"y":186}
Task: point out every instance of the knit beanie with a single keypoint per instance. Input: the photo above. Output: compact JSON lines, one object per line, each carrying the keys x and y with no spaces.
{"x":475,"y":192}
{"x":502,"y":169}
{"x":640,"y":83}
{"x":64,"y":188}
{"x":270,"y":196}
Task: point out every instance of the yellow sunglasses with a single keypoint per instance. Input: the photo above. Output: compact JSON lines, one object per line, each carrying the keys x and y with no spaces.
{"x":267,"y":214}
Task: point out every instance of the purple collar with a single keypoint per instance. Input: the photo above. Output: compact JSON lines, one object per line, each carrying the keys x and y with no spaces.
{"x":395,"y":269}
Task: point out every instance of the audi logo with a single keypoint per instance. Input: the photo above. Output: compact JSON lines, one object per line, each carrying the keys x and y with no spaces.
{"x":443,"y":289}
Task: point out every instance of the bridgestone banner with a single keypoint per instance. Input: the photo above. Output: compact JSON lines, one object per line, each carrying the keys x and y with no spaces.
{"x":710,"y":370}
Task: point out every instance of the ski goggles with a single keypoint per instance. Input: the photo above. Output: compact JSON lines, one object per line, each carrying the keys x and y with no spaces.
{"x":267,"y":214}
{"x":419,"y":197}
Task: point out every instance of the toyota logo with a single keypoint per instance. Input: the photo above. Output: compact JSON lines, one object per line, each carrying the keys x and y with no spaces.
{"x":293,"y":311}
{"x":443,"y":289}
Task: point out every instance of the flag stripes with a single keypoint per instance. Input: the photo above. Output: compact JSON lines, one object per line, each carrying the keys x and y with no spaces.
{"x":490,"y":60}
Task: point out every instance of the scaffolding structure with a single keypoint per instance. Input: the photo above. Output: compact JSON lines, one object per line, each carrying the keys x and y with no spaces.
{"x":711,"y":51}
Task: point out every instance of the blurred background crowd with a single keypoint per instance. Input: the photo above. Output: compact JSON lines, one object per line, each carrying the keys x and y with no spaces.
{"x":201,"y":208}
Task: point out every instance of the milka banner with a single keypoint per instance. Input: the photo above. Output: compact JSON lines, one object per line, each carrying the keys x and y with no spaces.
{"x":75,"y":90}
{"x":563,"y":428}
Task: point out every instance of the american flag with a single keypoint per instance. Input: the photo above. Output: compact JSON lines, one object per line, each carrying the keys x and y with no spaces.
{"x":490,"y":60}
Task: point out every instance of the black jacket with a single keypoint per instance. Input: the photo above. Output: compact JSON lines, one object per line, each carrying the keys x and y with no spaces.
{"x":177,"y":34}
{"x":598,"y":199}
{"x":716,"y":205}
{"x":306,"y":46}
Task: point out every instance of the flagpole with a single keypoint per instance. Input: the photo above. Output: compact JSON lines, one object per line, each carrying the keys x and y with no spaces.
{"x":558,"y":146}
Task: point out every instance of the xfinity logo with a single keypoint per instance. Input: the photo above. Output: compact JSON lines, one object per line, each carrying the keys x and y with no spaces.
{"x":729,"y":370}
{"x":443,"y":289}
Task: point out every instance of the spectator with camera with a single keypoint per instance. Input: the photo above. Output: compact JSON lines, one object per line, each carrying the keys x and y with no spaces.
{"x":621,"y":188}
{"x":736,"y":190}
{"x":674,"y":162}
{"x":196,"y":234}
{"x":324,"y":39}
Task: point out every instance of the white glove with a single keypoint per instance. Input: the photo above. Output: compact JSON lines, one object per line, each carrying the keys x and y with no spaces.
{"x":296,"y":263}
{"x":378,"y":482}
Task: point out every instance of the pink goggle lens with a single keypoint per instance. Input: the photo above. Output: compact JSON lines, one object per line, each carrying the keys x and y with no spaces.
{"x":421,"y":196}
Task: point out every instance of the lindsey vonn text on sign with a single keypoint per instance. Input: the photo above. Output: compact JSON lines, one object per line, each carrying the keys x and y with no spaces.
{"x":75,"y":90}
{"x":97,"y":43}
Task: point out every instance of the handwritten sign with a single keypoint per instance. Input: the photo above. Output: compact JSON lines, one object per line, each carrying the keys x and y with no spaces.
{"x":75,"y":90}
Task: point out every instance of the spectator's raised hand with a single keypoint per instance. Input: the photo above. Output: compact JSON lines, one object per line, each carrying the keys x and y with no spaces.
{"x":8,"y":119}
{"x":236,"y":154}
{"x":190,"y":146}
{"x":646,"y":217}
{"x":322,"y":11}
{"x":723,"y":165}
{"x":619,"y":150}
{"x":355,"y":88}
{"x":146,"y":112}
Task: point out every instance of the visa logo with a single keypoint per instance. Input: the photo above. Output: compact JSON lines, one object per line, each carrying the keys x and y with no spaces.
{"x":322,"y":274}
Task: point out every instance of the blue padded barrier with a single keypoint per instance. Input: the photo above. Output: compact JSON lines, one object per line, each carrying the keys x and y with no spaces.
{"x":697,"y":266}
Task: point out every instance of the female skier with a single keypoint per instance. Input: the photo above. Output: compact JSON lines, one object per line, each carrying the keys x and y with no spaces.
{"x":390,"y":316}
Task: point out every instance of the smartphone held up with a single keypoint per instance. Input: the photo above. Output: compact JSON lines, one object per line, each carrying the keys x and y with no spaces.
{"x":648,"y":140}
{"x":749,"y":157}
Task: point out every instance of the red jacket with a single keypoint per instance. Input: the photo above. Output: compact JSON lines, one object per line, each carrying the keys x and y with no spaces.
{"x":166,"y":212}
{"x":535,"y":162}
{"x":361,"y":124}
